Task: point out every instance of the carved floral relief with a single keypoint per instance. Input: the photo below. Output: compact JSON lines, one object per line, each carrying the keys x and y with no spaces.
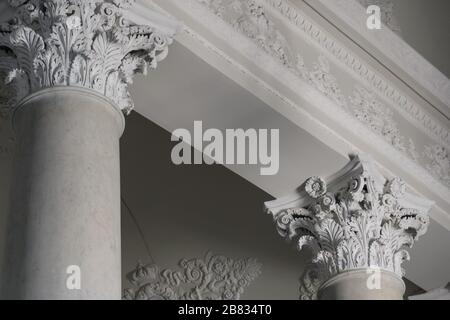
{"x":214,"y":277}
{"x":439,"y":162}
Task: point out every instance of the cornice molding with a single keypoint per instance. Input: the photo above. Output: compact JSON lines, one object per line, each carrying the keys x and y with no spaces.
{"x":386,"y":143}
{"x":213,"y":277}
{"x":391,"y":47}
{"x":85,"y":43}
{"x":351,"y":220}
{"x":362,"y":70}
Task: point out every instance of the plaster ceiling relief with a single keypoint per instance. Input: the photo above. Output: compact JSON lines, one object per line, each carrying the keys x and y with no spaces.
{"x":250,"y":18}
{"x":415,"y":57}
{"x":362,"y":71}
{"x":213,"y":277}
{"x":369,"y":110}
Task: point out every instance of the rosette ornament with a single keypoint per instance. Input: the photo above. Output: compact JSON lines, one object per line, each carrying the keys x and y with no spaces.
{"x":84,"y":43}
{"x":355,"y":219}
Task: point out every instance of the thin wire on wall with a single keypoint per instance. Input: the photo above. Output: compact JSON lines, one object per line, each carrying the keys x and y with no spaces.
{"x":141,"y":233}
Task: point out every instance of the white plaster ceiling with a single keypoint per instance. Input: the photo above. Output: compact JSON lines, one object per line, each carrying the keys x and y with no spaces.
{"x":184,"y":88}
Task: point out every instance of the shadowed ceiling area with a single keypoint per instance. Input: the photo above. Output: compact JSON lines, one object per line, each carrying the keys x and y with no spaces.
{"x":184,"y":211}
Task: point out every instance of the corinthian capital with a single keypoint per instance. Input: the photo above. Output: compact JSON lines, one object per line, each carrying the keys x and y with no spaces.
{"x":86,"y":43}
{"x":354,"y":219}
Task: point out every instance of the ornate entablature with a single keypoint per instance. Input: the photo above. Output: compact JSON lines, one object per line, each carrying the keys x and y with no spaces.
{"x":214,"y":277}
{"x":86,"y":43}
{"x":372,"y":100}
{"x":354,"y":219}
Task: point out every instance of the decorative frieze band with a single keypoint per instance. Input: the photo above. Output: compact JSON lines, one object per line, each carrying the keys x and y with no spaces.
{"x":85,"y":43}
{"x":214,"y":277}
{"x":352,"y":220}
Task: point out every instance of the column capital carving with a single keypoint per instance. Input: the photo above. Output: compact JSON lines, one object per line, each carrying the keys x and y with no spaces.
{"x":353,"y":219}
{"x":85,"y":43}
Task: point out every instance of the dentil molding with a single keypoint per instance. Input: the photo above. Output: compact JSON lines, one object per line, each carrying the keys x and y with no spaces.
{"x":360,"y":69}
{"x":354,"y":219}
{"x":86,"y":43}
{"x":214,"y":277}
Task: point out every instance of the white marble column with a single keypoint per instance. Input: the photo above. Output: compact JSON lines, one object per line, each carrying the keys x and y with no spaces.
{"x":68,"y":67}
{"x":358,"y":225}
{"x":65,"y":206}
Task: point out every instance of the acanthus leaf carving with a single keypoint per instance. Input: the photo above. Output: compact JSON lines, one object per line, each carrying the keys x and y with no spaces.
{"x":85,"y":43}
{"x":363,"y":222}
{"x":215,"y":277}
